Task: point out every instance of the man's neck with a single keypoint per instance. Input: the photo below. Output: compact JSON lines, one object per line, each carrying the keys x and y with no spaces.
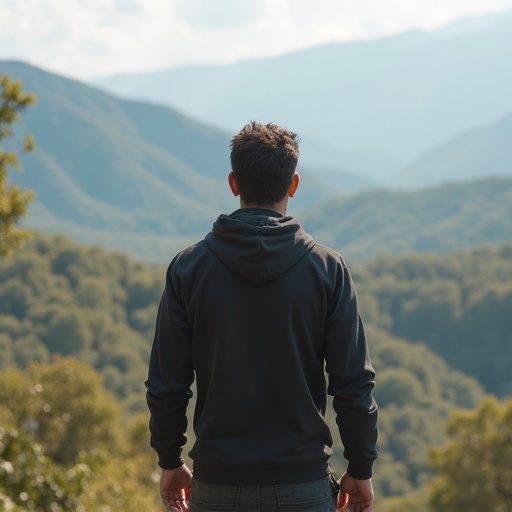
{"x":278,"y":207}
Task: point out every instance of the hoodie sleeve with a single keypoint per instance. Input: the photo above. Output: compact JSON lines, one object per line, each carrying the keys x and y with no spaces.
{"x":170,"y":376}
{"x":351,"y":378}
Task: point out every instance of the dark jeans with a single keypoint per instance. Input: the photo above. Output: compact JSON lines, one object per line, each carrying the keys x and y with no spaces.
{"x":315,"y":496}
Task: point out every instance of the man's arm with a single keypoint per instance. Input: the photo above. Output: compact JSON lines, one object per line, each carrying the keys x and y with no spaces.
{"x":351,"y":379}
{"x":170,"y":377}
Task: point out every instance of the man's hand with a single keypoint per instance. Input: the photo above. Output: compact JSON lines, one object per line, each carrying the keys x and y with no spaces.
{"x":173,"y":484}
{"x":357,"y":494}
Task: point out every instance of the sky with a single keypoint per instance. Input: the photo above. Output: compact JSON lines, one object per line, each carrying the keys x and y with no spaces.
{"x":85,"y":39}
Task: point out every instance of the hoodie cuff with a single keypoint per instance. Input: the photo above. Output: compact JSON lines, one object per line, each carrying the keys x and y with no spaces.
{"x":170,"y":461}
{"x":360,"y":471}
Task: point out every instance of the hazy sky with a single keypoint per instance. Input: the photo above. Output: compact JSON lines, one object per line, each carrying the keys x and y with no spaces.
{"x":87,"y":38}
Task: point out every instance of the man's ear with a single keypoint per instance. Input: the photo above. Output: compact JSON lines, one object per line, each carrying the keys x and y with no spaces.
{"x":232,"y":184}
{"x":294,"y":185}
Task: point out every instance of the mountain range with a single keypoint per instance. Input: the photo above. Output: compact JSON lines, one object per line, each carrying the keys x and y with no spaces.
{"x":444,"y":218}
{"x":107,"y":169}
{"x":372,"y":107}
{"x":146,"y":179}
{"x":483,"y":151}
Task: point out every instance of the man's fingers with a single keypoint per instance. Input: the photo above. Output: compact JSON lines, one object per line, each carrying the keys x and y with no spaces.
{"x":175,"y":502}
{"x":360,"y":506}
{"x":342,"y":500}
{"x":174,"y":506}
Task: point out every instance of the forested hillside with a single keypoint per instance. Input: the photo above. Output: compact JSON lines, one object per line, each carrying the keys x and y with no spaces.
{"x":57,"y":296}
{"x":117,"y":172}
{"x":123,"y":173}
{"x":445,"y":218}
{"x":459,"y":305}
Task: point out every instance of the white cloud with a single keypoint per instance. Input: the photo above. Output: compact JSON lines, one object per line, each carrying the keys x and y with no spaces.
{"x":86,"y":38}
{"x":218,"y":15}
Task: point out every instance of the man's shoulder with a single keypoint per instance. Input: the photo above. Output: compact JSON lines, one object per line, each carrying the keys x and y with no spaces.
{"x":187,"y":261}
{"x":327,"y":253}
{"x":191,"y":252}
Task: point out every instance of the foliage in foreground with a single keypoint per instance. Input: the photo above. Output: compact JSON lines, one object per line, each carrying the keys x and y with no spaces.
{"x":13,"y":199}
{"x":64,"y":444}
{"x":475,"y":466}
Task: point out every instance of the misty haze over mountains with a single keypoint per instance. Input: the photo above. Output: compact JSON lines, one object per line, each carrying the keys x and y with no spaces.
{"x":379,"y":108}
{"x":147,"y":178}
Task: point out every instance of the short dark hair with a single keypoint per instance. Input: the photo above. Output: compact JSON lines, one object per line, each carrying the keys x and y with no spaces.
{"x":263,"y":159}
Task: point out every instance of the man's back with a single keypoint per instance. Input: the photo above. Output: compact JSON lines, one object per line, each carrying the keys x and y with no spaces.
{"x":265,"y":306}
{"x":254,"y":312}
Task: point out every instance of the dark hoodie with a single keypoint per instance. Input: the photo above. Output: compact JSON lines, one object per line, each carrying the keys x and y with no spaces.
{"x":255,"y":311}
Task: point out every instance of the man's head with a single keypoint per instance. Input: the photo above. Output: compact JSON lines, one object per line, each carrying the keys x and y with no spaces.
{"x":263,"y":159}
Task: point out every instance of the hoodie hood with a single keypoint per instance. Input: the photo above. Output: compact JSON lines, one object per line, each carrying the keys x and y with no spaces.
{"x":258,"y":244}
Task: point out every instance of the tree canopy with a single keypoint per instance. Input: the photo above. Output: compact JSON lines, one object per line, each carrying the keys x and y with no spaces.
{"x":64,"y":444}
{"x":475,"y":465}
{"x":456,"y":304}
{"x":13,"y":199}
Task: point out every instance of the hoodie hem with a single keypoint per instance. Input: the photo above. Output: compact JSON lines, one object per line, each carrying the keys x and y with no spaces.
{"x":260,"y":474}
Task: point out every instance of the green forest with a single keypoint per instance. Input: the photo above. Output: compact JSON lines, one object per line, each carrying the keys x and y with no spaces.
{"x":64,"y":305}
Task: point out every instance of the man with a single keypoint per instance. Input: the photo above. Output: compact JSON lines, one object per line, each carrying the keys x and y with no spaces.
{"x":255,"y":311}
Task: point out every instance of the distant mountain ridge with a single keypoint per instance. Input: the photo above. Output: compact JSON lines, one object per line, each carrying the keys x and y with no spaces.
{"x":482,"y":151}
{"x":129,"y":173}
{"x":444,"y":218}
{"x":116,"y":168}
{"x":145,"y":179}
{"x":394,"y":98}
